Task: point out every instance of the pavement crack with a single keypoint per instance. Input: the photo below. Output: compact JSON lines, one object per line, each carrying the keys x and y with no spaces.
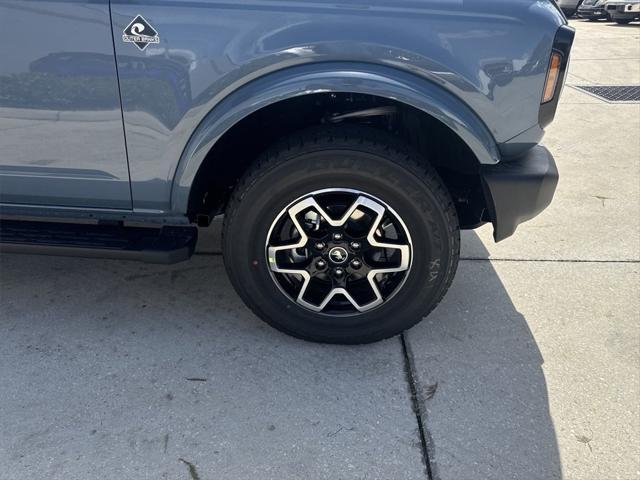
{"x":602,"y":198}
{"x":430,"y":391}
{"x":586,"y":440}
{"x":193,"y":473}
{"x":416,"y":404}
{"x":544,"y":260}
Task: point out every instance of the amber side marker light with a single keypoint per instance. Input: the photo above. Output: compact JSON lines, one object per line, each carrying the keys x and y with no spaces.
{"x":552,"y":77}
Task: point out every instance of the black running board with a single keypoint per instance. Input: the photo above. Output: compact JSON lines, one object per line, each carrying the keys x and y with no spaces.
{"x":164,"y":245}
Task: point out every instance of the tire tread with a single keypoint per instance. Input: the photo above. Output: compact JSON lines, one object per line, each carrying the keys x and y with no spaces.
{"x":393,"y":148}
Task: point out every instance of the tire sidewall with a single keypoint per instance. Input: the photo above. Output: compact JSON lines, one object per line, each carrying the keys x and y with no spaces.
{"x":303,"y":173}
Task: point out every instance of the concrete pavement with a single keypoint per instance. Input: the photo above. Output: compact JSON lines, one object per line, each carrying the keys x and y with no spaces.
{"x":534,"y":379}
{"x":536,"y":349}
{"x":116,"y":370}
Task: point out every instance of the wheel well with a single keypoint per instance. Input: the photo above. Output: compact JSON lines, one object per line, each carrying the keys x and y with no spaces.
{"x":230,"y":157}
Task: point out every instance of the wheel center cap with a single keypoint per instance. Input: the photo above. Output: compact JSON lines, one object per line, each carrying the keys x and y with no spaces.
{"x":338,"y":255}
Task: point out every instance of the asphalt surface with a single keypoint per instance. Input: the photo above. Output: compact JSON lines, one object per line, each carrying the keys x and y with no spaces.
{"x":529,"y":369}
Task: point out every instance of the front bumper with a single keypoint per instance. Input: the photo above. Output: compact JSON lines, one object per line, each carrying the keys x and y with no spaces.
{"x":591,"y":13}
{"x":624,"y":12}
{"x":517,"y":190}
{"x":624,"y":16}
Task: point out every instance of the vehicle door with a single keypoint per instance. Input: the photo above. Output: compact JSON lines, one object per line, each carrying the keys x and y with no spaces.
{"x":61,"y":133}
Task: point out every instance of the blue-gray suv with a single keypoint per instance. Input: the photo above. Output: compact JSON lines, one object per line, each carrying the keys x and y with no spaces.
{"x":346,"y":142}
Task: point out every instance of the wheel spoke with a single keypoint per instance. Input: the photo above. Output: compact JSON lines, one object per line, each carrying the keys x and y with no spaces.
{"x":405,"y":253}
{"x":343,"y":292}
{"x":312,"y":203}
{"x":272,"y":251}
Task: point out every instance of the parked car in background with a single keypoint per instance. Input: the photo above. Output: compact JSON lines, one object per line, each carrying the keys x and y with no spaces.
{"x":593,"y":10}
{"x":569,"y":7}
{"x":623,"y":12}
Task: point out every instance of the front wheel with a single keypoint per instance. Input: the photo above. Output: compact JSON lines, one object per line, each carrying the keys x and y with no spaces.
{"x":623,"y":22}
{"x":341,"y":235}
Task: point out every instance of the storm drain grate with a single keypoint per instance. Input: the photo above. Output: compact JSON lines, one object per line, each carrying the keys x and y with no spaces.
{"x":613,"y":93}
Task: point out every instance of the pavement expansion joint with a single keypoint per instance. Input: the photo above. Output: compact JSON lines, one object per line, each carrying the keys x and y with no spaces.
{"x":416,"y":404}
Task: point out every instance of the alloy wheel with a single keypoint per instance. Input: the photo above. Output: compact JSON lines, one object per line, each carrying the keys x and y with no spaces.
{"x":339,"y":252}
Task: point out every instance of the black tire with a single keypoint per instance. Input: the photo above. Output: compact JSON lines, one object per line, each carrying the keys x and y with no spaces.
{"x":347,"y":157}
{"x":623,"y":22}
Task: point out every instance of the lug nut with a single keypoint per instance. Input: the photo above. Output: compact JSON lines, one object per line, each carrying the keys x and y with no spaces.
{"x":356,"y":263}
{"x":320,"y":246}
{"x":337,"y":236}
{"x":338,"y":272}
{"x":321,"y":264}
{"x":355,"y":245}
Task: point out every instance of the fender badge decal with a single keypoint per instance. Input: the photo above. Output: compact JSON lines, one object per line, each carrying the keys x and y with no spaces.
{"x":141,"y":33}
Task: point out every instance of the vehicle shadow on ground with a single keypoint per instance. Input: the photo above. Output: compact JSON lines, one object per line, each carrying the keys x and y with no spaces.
{"x":481,"y":381}
{"x":112,"y":369}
